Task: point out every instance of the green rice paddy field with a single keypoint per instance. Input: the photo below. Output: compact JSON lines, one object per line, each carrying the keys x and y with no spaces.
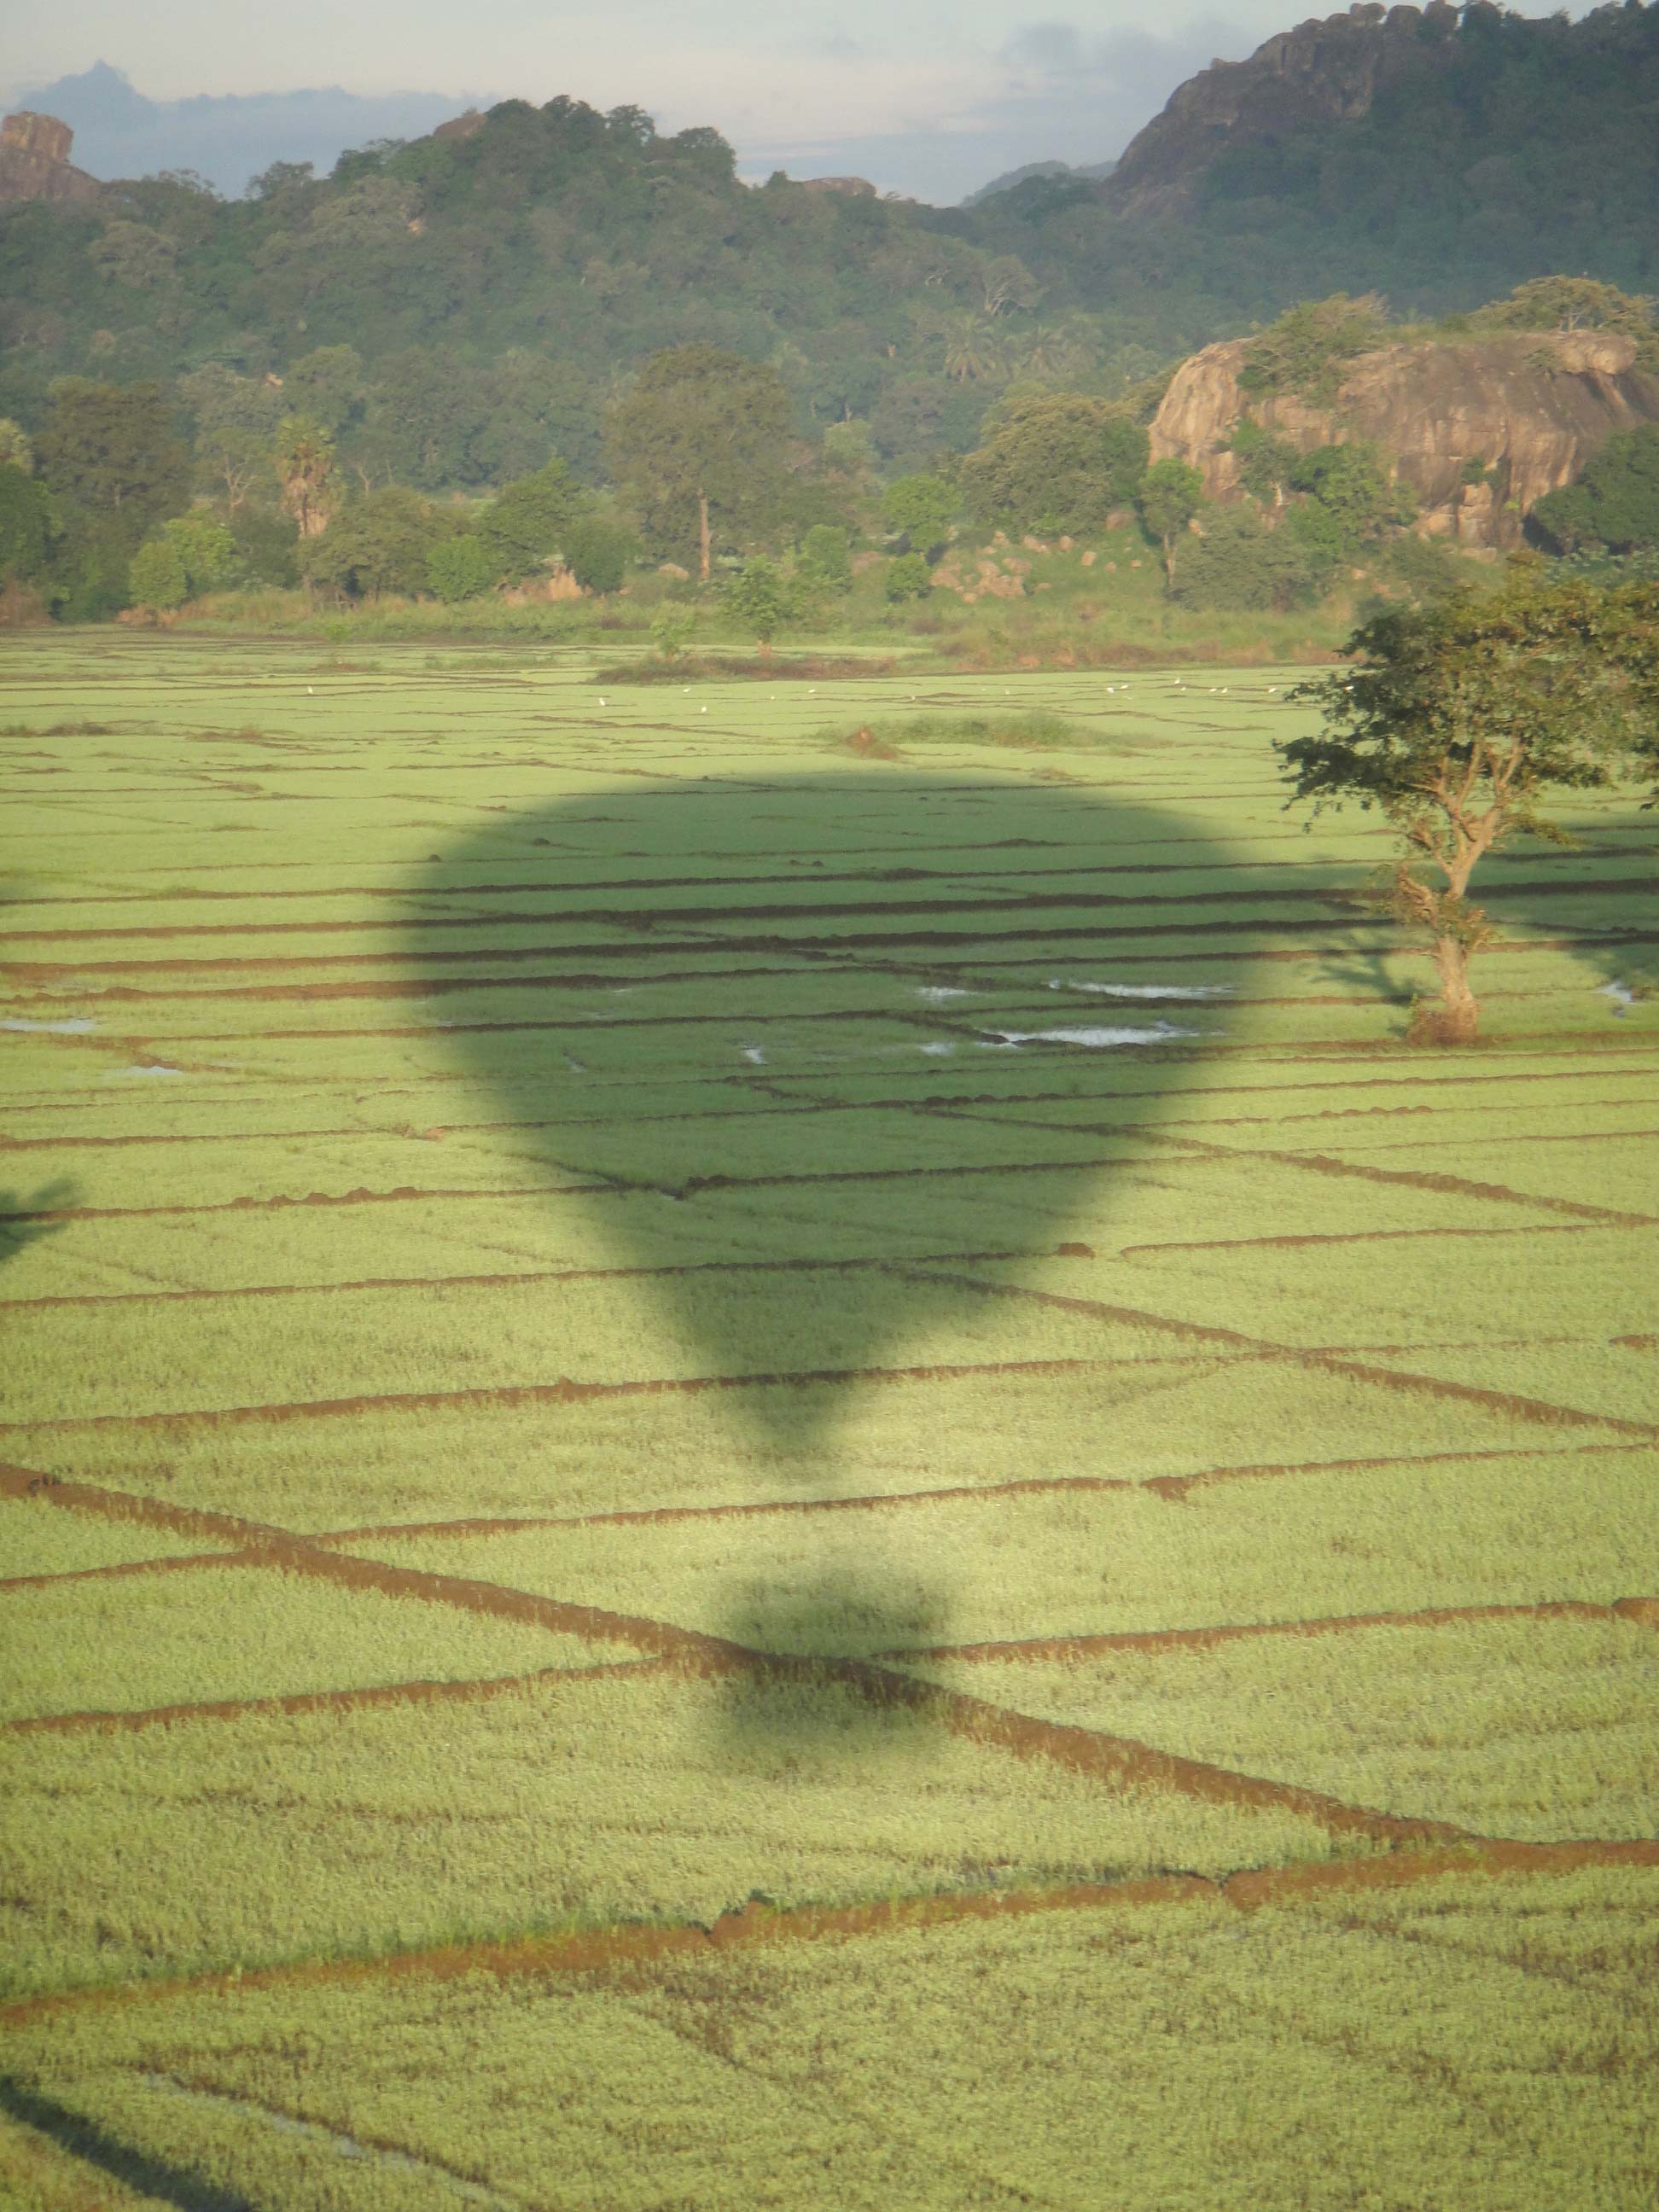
{"x":751,"y":1467}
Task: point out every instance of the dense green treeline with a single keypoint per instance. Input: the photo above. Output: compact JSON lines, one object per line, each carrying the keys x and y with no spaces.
{"x":708,"y":498}
{"x":141,"y":496}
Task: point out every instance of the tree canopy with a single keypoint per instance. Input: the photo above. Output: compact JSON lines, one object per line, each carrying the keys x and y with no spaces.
{"x":1054,"y":461}
{"x":699,"y":442}
{"x":113,"y":449}
{"x":1615,"y":503}
{"x":1166,"y":499}
{"x":1462,"y":722}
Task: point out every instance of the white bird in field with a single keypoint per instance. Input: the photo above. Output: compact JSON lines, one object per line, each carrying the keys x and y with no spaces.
{"x":702,"y":710}
{"x":604,"y":702}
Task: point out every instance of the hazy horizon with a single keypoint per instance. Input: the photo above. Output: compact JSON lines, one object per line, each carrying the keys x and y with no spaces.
{"x":932,"y":103}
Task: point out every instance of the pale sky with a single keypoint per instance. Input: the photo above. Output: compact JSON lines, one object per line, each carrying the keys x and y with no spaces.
{"x":921,"y":97}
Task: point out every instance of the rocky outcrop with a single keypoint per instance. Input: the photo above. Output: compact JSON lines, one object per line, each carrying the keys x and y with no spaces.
{"x":34,"y":160}
{"x":461,"y":127}
{"x":1324,"y":71}
{"x":1531,"y":407}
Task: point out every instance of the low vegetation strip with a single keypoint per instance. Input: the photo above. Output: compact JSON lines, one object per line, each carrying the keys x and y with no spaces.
{"x":276,"y":1547}
{"x":568,"y":1393}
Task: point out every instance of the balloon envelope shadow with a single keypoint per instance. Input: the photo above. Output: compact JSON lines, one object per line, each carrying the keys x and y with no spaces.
{"x":803,"y":1051}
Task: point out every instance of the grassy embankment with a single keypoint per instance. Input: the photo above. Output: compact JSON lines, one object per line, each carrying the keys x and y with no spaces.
{"x":615,"y":1311}
{"x":1098,"y":602}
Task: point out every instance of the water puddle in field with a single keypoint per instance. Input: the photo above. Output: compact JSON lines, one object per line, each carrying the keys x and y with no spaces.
{"x":77,"y":1028}
{"x":938,"y":1051}
{"x":755,"y":1054}
{"x":1621,"y":993}
{"x":1145,"y":990}
{"x":940,"y":995}
{"x":1096,"y":1037}
{"x":156,"y":1067}
{"x":344,"y":2145}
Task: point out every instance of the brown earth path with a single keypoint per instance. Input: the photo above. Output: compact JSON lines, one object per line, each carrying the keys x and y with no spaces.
{"x":614,"y":1949}
{"x":470,"y":1690}
{"x":1310,"y":1356}
{"x":1119,"y":1761}
{"x":1645,"y":1610}
{"x":566,"y":1390}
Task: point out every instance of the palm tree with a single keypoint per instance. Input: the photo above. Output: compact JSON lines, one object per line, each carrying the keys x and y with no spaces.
{"x":971,"y":351}
{"x":1056,"y":352}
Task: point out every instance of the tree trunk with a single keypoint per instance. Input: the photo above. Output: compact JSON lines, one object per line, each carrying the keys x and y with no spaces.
{"x":702,"y":536}
{"x":1458,"y":1017}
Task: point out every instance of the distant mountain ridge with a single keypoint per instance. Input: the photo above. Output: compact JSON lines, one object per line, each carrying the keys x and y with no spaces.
{"x":1440,"y":155}
{"x":1011,"y":179}
{"x":230,"y":137}
{"x":1371,"y":72}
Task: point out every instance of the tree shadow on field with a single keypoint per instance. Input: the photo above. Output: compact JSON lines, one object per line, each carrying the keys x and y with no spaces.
{"x":1596,"y":900}
{"x":25,"y":1220}
{"x":810,"y":1050}
{"x":85,"y":2140}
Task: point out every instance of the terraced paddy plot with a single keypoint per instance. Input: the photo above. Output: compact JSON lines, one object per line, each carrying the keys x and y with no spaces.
{"x":1167,"y":2047}
{"x":722,"y":1422}
{"x":126,"y":1645}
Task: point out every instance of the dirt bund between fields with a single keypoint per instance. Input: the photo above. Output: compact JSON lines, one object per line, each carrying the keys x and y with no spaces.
{"x":470,"y":1690}
{"x":1119,"y":1762}
{"x":1402,"y":1850}
{"x":1039,"y":1649}
{"x":1315,"y":1357}
{"x":622,"y":1949}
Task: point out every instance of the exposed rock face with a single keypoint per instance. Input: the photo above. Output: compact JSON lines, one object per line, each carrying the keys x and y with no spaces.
{"x":852,"y":188}
{"x":34,"y":160}
{"x":1532,"y":406}
{"x":1321,"y":72}
{"x":461,"y":126}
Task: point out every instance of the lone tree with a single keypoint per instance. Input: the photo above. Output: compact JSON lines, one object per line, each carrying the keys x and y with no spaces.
{"x":761,"y":599}
{"x":700,"y":438}
{"x":531,"y":518}
{"x":1170,"y":496}
{"x":1460,"y":720}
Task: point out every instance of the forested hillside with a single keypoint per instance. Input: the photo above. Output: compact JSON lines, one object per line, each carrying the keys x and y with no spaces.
{"x":494,"y":283}
{"x":494,"y":280}
{"x":1441,"y":157}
